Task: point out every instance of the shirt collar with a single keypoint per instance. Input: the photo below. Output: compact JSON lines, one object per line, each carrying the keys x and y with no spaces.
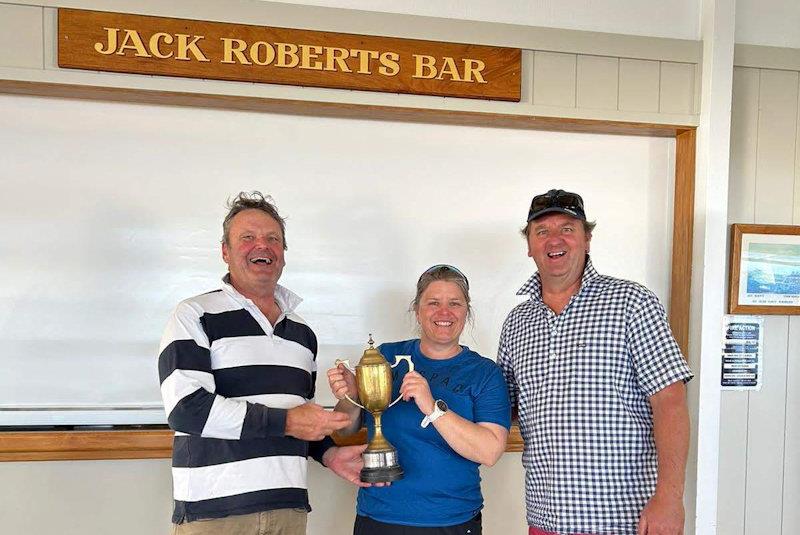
{"x":287,"y":300}
{"x":533,"y":286}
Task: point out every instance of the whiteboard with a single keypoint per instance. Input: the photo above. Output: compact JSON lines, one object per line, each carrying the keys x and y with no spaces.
{"x":111,"y":214}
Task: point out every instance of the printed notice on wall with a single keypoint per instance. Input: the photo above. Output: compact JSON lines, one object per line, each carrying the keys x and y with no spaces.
{"x":742,"y":350}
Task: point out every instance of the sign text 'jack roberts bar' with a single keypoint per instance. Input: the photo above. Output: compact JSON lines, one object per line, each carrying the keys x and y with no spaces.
{"x":214,"y":50}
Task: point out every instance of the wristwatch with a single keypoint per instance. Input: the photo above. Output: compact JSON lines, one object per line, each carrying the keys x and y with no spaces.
{"x":439,"y":408}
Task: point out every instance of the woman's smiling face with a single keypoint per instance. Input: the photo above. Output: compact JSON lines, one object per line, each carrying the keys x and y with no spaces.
{"x":442,"y":313}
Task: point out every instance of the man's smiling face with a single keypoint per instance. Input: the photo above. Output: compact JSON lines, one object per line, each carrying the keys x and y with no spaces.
{"x":254,"y":251}
{"x":558,"y":244}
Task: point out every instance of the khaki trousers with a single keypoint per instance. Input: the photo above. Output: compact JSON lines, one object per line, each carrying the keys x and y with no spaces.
{"x":277,"y":522}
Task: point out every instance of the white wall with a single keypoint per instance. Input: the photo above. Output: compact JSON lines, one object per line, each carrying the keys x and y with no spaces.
{"x":768,"y":22}
{"x":132,"y":198}
{"x":759,"y":481}
{"x":678,"y":19}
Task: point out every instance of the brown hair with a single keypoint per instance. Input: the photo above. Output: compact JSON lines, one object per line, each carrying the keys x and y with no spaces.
{"x":588,"y":227}
{"x":442,"y":272}
{"x":253,"y":200}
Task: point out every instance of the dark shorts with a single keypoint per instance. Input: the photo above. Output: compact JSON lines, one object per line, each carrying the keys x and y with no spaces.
{"x":367,"y":526}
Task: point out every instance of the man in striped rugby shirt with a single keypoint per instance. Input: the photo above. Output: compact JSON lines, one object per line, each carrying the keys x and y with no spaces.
{"x":237,"y":369}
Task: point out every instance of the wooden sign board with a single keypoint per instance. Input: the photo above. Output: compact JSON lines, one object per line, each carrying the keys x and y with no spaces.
{"x":141,"y":44}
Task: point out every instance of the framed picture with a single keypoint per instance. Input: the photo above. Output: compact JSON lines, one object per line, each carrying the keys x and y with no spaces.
{"x":765,"y":269}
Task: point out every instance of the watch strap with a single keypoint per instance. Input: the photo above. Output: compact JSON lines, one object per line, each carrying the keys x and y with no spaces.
{"x":435,"y":415}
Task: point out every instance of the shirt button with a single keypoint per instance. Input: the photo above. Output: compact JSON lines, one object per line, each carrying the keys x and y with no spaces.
{"x":553,"y":355}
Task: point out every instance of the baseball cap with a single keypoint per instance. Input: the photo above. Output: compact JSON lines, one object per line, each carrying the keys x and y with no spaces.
{"x":557,"y":201}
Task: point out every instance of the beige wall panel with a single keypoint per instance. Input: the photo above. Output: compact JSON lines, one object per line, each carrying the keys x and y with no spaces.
{"x":526,"y":78}
{"x":86,"y":497}
{"x":765,"y":435}
{"x":791,"y":465}
{"x":741,"y":199}
{"x":796,"y":218}
{"x":766,"y":57}
{"x":638,"y":85}
{"x":777,"y":132}
{"x":21,"y":36}
{"x":698,"y":76}
{"x":554,"y":79}
{"x":50,"y":29}
{"x":597,"y":82}
{"x":677,"y":87}
{"x":744,"y":143}
{"x":503,"y":487}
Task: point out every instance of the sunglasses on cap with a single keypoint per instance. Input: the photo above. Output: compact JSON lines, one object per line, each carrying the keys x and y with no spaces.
{"x":557,"y":201}
{"x":445,"y":267}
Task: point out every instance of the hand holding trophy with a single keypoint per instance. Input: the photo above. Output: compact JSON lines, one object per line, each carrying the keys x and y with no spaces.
{"x":374,"y":382}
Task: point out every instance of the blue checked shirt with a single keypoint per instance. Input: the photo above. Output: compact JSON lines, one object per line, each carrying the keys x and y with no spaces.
{"x":581,"y":382}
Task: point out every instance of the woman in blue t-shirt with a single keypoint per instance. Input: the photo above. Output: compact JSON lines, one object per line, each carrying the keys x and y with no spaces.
{"x":455,"y":417}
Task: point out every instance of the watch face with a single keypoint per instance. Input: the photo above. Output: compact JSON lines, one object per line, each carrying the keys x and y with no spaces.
{"x":441,"y":405}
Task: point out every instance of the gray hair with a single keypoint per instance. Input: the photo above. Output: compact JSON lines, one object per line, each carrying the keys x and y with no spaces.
{"x":253,"y":200}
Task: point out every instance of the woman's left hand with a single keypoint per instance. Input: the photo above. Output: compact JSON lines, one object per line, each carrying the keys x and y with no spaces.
{"x":415,"y":386}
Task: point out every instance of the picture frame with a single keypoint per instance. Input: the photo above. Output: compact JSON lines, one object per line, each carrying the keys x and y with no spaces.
{"x":764,"y":269}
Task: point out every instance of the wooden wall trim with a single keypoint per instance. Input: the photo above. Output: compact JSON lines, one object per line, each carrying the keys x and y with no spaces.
{"x":123,"y":444}
{"x":682,"y":236}
{"x":152,"y":444}
{"x":85,"y":445}
{"x":338,"y":110}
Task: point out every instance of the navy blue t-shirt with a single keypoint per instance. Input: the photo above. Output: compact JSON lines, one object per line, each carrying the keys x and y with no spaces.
{"x":439,"y":487}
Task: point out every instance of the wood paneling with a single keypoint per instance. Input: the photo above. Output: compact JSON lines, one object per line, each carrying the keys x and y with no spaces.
{"x":777,"y":130}
{"x":791,"y":463}
{"x":765,"y":436}
{"x":734,"y":405}
{"x":677,"y":88}
{"x":21,"y":39}
{"x":597,"y":82}
{"x":744,"y":143}
{"x":638,"y":85}
{"x":773,"y":203}
{"x":152,"y":45}
{"x":554,"y":79}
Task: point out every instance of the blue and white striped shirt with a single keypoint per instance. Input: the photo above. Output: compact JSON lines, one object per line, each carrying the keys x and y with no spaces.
{"x":227,"y":380}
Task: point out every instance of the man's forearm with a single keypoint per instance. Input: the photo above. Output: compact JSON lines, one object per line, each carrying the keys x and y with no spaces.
{"x":671,"y":435}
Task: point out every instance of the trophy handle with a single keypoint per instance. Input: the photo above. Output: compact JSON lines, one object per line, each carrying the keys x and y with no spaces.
{"x":397,"y":359}
{"x":346,"y":363}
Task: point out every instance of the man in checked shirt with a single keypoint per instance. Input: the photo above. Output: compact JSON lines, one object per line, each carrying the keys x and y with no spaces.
{"x":599,"y":385}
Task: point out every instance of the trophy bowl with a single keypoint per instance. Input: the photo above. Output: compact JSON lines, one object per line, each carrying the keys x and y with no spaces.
{"x":374,"y":380}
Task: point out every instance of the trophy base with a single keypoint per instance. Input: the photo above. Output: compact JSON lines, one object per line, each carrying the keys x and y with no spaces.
{"x":384,"y":474}
{"x":380,"y":466}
